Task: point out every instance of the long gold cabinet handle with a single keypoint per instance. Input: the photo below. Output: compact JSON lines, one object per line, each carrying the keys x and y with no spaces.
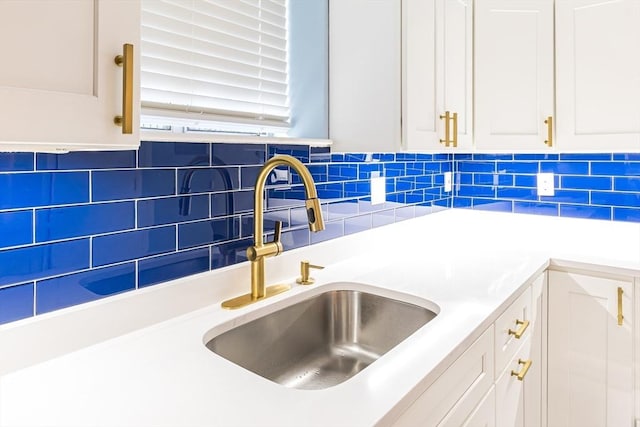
{"x":620,"y":315}
{"x":126,"y":62}
{"x":447,"y":119}
{"x":523,"y":372}
{"x":524,"y":324}
{"x":549,"y":123}
{"x":455,"y":130}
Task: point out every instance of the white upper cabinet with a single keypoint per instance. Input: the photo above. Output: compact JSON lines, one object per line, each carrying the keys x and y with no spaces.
{"x":60,"y":87}
{"x":598,"y":74}
{"x":437,"y":69}
{"x":513,"y":74}
{"x":364,"y":75}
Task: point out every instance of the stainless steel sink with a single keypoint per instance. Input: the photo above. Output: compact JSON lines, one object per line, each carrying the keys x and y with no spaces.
{"x":321,"y":341}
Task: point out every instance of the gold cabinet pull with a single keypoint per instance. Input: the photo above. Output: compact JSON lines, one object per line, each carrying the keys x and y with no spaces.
{"x":126,"y":62}
{"x":549,"y":123}
{"x":455,"y":130}
{"x":523,"y":372}
{"x":524,"y":324}
{"x":620,"y":315}
{"x":447,"y":119}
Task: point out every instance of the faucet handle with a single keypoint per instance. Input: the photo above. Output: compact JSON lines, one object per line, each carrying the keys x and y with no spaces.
{"x":304,"y":278}
{"x":277,"y":232}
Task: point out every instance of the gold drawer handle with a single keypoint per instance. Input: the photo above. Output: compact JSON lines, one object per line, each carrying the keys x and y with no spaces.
{"x":524,"y":325}
{"x":520,"y":375}
{"x":126,"y":62}
{"x":620,"y":315}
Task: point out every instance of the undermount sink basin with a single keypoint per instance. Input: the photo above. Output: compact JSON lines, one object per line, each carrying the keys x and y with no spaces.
{"x":321,"y":341}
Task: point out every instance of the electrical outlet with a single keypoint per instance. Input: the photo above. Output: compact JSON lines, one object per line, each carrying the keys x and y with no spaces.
{"x":545,"y":184}
{"x":378,"y":190}
{"x":448,"y":182}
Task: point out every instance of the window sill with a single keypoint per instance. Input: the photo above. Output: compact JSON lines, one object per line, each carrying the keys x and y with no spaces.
{"x":166,"y":136}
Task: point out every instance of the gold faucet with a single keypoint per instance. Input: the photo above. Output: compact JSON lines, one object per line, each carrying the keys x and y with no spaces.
{"x":261,"y":250}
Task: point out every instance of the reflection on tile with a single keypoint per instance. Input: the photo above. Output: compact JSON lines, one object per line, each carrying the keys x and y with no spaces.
{"x":357,"y":224}
{"x":162,"y":154}
{"x":379,"y":219}
{"x":16,"y":161}
{"x":32,"y":262}
{"x":582,"y":211}
{"x":423,"y":209}
{"x":332,"y":230}
{"x":16,"y":302}
{"x":65,"y":291}
{"x":230,"y":253}
{"x":173,"y":266}
{"x":24,"y":190}
{"x":405,"y":213}
{"x":208,"y":179}
{"x":172,"y":210}
{"x":238,"y":154}
{"x":343,"y":209}
{"x":300,"y":152}
{"x":86,"y":160}
{"x":292,"y":239}
{"x":223,"y":204}
{"x":206,"y":232}
{"x":16,"y":228}
{"x":131,"y":184}
{"x":84,"y":220}
{"x":133,"y":244}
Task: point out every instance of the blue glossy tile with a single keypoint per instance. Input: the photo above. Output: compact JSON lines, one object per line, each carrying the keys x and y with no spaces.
{"x":568,"y":196}
{"x":292,"y":239}
{"x":463,"y":156}
{"x":463,"y":178}
{"x":517,"y":167}
{"x":332,"y":230}
{"x":172,"y":210}
{"x":207,"y":232}
{"x":394,"y":169}
{"x":493,"y":179}
{"x":357,"y":224}
{"x":423,"y":157}
{"x":436,"y":167}
{"x":550,"y":209}
{"x":434,"y":194}
{"x":499,"y":156}
{"x":378,"y":219}
{"x":300,"y":152}
{"x":405,"y":157}
{"x":330,"y":191}
{"x":615,"y":199}
{"x":462,"y":202}
{"x":16,"y":228}
{"x":357,"y":157}
{"x":384,"y":157}
{"x":173,"y":266}
{"x":626,"y":214}
{"x":395,"y":198}
{"x":566,"y":168}
{"x":529,"y":181}
{"x":319,"y":154}
{"x":223,"y":204}
{"x":208,"y":179}
{"x":163,"y":154}
{"x":516,"y":193}
{"x":615,"y":168}
{"x":586,"y":182}
{"x":405,"y":184}
{"x":229,"y":253}
{"x":585,"y":156}
{"x":625,"y":184}
{"x":16,"y":162}
{"x":86,"y":160}
{"x":476,"y":191}
{"x":626,"y":156}
{"x":337,"y":157}
{"x":84,"y":220}
{"x":319,"y":173}
{"x":238,"y":154}
{"x":415,"y":196}
{"x":444,"y":167}
{"x":427,"y":181}
{"x":582,"y":211}
{"x":535,"y":156}
{"x":132,"y":184}
{"x":357,"y":188}
{"x":43,"y":189}
{"x":34,"y":262}
{"x":470,"y":166}
{"x":492,"y":205}
{"x":133,"y":244}
{"x":269,"y":222}
{"x":248,"y":176}
{"x":343,"y":172}
{"x":66,"y":291}
{"x":443,"y":203}
{"x":16,"y":302}
{"x":415,"y":168}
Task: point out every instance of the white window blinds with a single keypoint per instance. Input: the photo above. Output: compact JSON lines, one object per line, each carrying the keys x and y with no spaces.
{"x":215,"y":60}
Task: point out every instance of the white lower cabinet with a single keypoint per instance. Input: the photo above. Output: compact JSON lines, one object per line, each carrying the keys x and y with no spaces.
{"x":485,"y":414}
{"x":590,"y":357}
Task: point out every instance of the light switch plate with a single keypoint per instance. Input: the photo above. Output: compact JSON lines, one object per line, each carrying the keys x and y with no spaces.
{"x":378,"y":190}
{"x":448,"y":181}
{"x":545,"y":184}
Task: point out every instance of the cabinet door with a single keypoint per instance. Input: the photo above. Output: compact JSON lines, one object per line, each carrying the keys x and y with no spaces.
{"x":364,"y":75}
{"x":590,"y":377}
{"x":437,"y":72}
{"x":60,"y":88}
{"x":513,"y":73}
{"x":510,"y":391}
{"x":485,"y":414}
{"x":598,"y":74}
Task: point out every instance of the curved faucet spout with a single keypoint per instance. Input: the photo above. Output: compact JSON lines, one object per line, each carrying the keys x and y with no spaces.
{"x":261,"y":250}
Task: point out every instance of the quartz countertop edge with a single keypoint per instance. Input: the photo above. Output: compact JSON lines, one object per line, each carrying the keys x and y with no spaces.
{"x":139,"y":358}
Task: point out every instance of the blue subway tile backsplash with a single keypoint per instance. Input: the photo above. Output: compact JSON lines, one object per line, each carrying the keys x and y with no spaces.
{"x":82,"y":226}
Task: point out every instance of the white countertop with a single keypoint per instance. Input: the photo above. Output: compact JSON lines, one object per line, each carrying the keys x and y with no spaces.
{"x":138,"y":359}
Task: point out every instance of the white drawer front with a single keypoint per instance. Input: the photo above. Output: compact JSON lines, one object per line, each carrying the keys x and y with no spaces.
{"x":506,"y":343}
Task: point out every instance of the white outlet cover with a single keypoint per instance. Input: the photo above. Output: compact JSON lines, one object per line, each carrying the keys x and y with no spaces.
{"x":448,"y":181}
{"x":378,"y":190}
{"x":546,"y":184}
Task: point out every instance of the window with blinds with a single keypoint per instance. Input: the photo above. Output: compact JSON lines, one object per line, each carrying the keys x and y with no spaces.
{"x":221,"y":61}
